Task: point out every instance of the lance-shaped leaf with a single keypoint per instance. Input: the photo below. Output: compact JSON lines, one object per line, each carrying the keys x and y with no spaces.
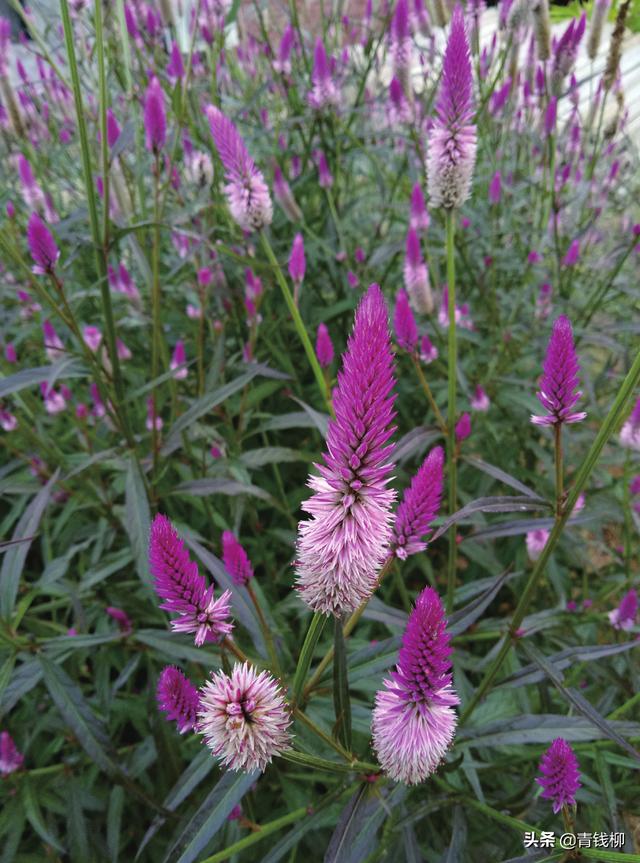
{"x":505,"y":503}
{"x":563,"y":659}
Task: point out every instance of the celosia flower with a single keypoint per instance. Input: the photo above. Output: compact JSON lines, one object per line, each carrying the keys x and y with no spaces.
{"x":325,"y":177}
{"x":42,"y":246}
{"x":284,"y":196}
{"x":183,"y":589}
{"x":32,"y":194}
{"x":10,"y":353}
{"x":565,"y":52}
{"x":401,"y":45}
{"x":244,"y":718}
{"x":123,"y":351}
{"x":404,"y":323}
{"x":92,"y":338}
{"x":175,"y":69}
{"x":113,"y":129}
{"x":121,"y":618}
{"x":178,"y":361}
{"x":400,"y":110}
{"x":324,"y":346}
{"x":624,"y":616}
{"x":155,"y":120}
{"x":198,"y":168}
{"x":542,"y":28}
{"x":235,"y":559}
{"x":52,"y":343}
{"x":421,"y":19}
{"x":480,"y":401}
{"x":297,"y":260}
{"x":10,"y":759}
{"x":413,"y":720}
{"x":550,"y":116}
{"x":342,"y":547}
{"x":452,"y":145}
{"x":418,"y":216}
{"x":560,"y":777}
{"x":419,"y":506}
{"x":178,"y":698}
{"x":323,"y":92}
{"x":246,"y":190}
{"x":54,"y":402}
{"x":282,"y":63}
{"x":558,"y":389}
{"x":428,"y":351}
{"x":8,"y":422}
{"x":416,"y":275}
{"x":153,"y":420}
{"x":495,"y":188}
{"x":572,"y":255}
{"x":463,"y":428}
{"x":536,"y":541}
{"x":630,"y":431}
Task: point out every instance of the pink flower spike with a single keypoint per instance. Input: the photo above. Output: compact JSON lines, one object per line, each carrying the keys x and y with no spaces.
{"x":495,"y":189}
{"x":463,"y":428}
{"x":236,"y":560}
{"x":178,"y":361}
{"x":121,"y":618}
{"x":10,"y":353}
{"x":175,"y":69}
{"x":183,"y":589}
{"x":536,"y":541}
{"x":572,"y":255}
{"x":341,"y":548}
{"x":413,"y":720}
{"x":558,"y":390}
{"x":324,"y":346}
{"x":113,"y":129}
{"x":404,"y":323}
{"x":418,"y":217}
{"x":10,"y":759}
{"x":297,"y":261}
{"x":560,"y":775}
{"x":480,"y":401}
{"x":624,"y":616}
{"x":419,"y":507}
{"x":324,"y":92}
{"x":92,"y":338}
{"x":416,"y":275}
{"x":244,"y":718}
{"x":155,"y":121}
{"x":178,"y":698}
{"x":42,"y":246}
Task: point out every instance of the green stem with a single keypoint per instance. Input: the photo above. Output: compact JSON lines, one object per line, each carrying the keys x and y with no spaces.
{"x":557,"y":434}
{"x":306,"y":654}
{"x":258,"y":835}
{"x":611,"y":422}
{"x":323,"y":736}
{"x":264,"y":626}
{"x":156,"y":322}
{"x":451,"y":412}
{"x":427,"y":391}
{"x":297,"y":320}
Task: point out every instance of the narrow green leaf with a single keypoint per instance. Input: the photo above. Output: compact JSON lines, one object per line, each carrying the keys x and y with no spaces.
{"x":76,"y":824}
{"x":306,"y":654}
{"x":5,"y":672}
{"x":341,"y":699}
{"x":137,"y":520}
{"x":66,"y":368}
{"x":34,"y":816}
{"x":114,"y":822}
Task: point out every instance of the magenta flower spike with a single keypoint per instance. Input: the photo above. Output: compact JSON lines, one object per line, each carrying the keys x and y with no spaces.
{"x":558,"y":389}
{"x":175,"y":69}
{"x":419,"y":507}
{"x":452,"y":146}
{"x":121,"y":618}
{"x":246,"y":190}
{"x":630,"y":431}
{"x":401,"y":44}
{"x":418,"y":216}
{"x":416,"y":275}
{"x":236,"y":560}
{"x":244,"y":718}
{"x":341,"y":548}
{"x":178,"y":698}
{"x":324,"y":92}
{"x":325,"y":177}
{"x":495,"y":188}
{"x":113,"y":129}
{"x":283,"y":62}
{"x":550,"y":116}
{"x":297,"y":260}
{"x":560,"y":775}
{"x":480,"y":400}
{"x":42,"y":246}
{"x":624,"y":616}
{"x":178,"y":361}
{"x":413,"y":720}
{"x":463,"y":428}
{"x":155,"y":120}
{"x":404,"y":323}
{"x":573,"y":254}
{"x":183,"y":589}
{"x":10,"y":759}
{"x":284,"y":196}
{"x":324,"y":346}
{"x":428,"y":351}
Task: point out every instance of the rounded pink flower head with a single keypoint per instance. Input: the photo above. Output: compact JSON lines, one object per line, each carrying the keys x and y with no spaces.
{"x":413,"y":720}
{"x":183,"y":589}
{"x":452,"y":146}
{"x":630,"y":431}
{"x":560,"y":775}
{"x":624,"y":616}
{"x":42,"y":246}
{"x":178,"y":698}
{"x":404,"y":323}
{"x":235,"y":559}
{"x":341,"y":548}
{"x":535,"y":541}
{"x":244,"y":718}
{"x":324,"y":346}
{"x":419,"y":507}
{"x":155,"y":120}
{"x":558,"y":389}
{"x":246,"y":190}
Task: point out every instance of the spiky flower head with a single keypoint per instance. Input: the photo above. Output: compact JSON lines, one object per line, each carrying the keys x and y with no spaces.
{"x":404,"y":323}
{"x":413,"y":719}
{"x":565,"y":52}
{"x":419,"y":507}
{"x":246,"y":190}
{"x":236,"y":559}
{"x":560,"y":777}
{"x":598,"y":17}
{"x":155,"y":119}
{"x":178,"y":698}
{"x":630,"y":431}
{"x":183,"y":589}
{"x":10,"y":759}
{"x":297,"y":260}
{"x":324,"y":92}
{"x":324,"y":346}
{"x":244,"y":718}
{"x":42,"y":246}
{"x":558,"y":388}
{"x":624,"y":616}
{"x":416,"y":275}
{"x":418,"y":217}
{"x":401,"y":44}
{"x":463,"y":427}
{"x":452,"y":146}
{"x":341,"y":548}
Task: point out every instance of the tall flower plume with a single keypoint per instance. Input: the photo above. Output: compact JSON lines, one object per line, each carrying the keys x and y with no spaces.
{"x":416,"y":275}
{"x":419,"y":507}
{"x":401,"y":44}
{"x":404,"y":323}
{"x":235,"y":559}
{"x":324,"y":346}
{"x":246,"y":190}
{"x":560,"y":775}
{"x":342,"y":547}
{"x":42,"y":246}
{"x":178,"y":698}
{"x":413,"y":719}
{"x":244,"y":718}
{"x":558,"y":388}
{"x":452,"y":146}
{"x":183,"y":589}
{"x":324,"y":92}
{"x":155,"y":119}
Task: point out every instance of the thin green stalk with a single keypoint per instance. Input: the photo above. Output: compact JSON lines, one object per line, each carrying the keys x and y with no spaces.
{"x":264,"y":626}
{"x":306,"y":654}
{"x":451,"y":412}
{"x":557,"y":436}
{"x":593,"y":304}
{"x":323,"y":736}
{"x":610,"y":424}
{"x":297,"y":320}
{"x":628,"y":524}
{"x":156,"y":322}
{"x":427,"y":391}
{"x":258,"y":835}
